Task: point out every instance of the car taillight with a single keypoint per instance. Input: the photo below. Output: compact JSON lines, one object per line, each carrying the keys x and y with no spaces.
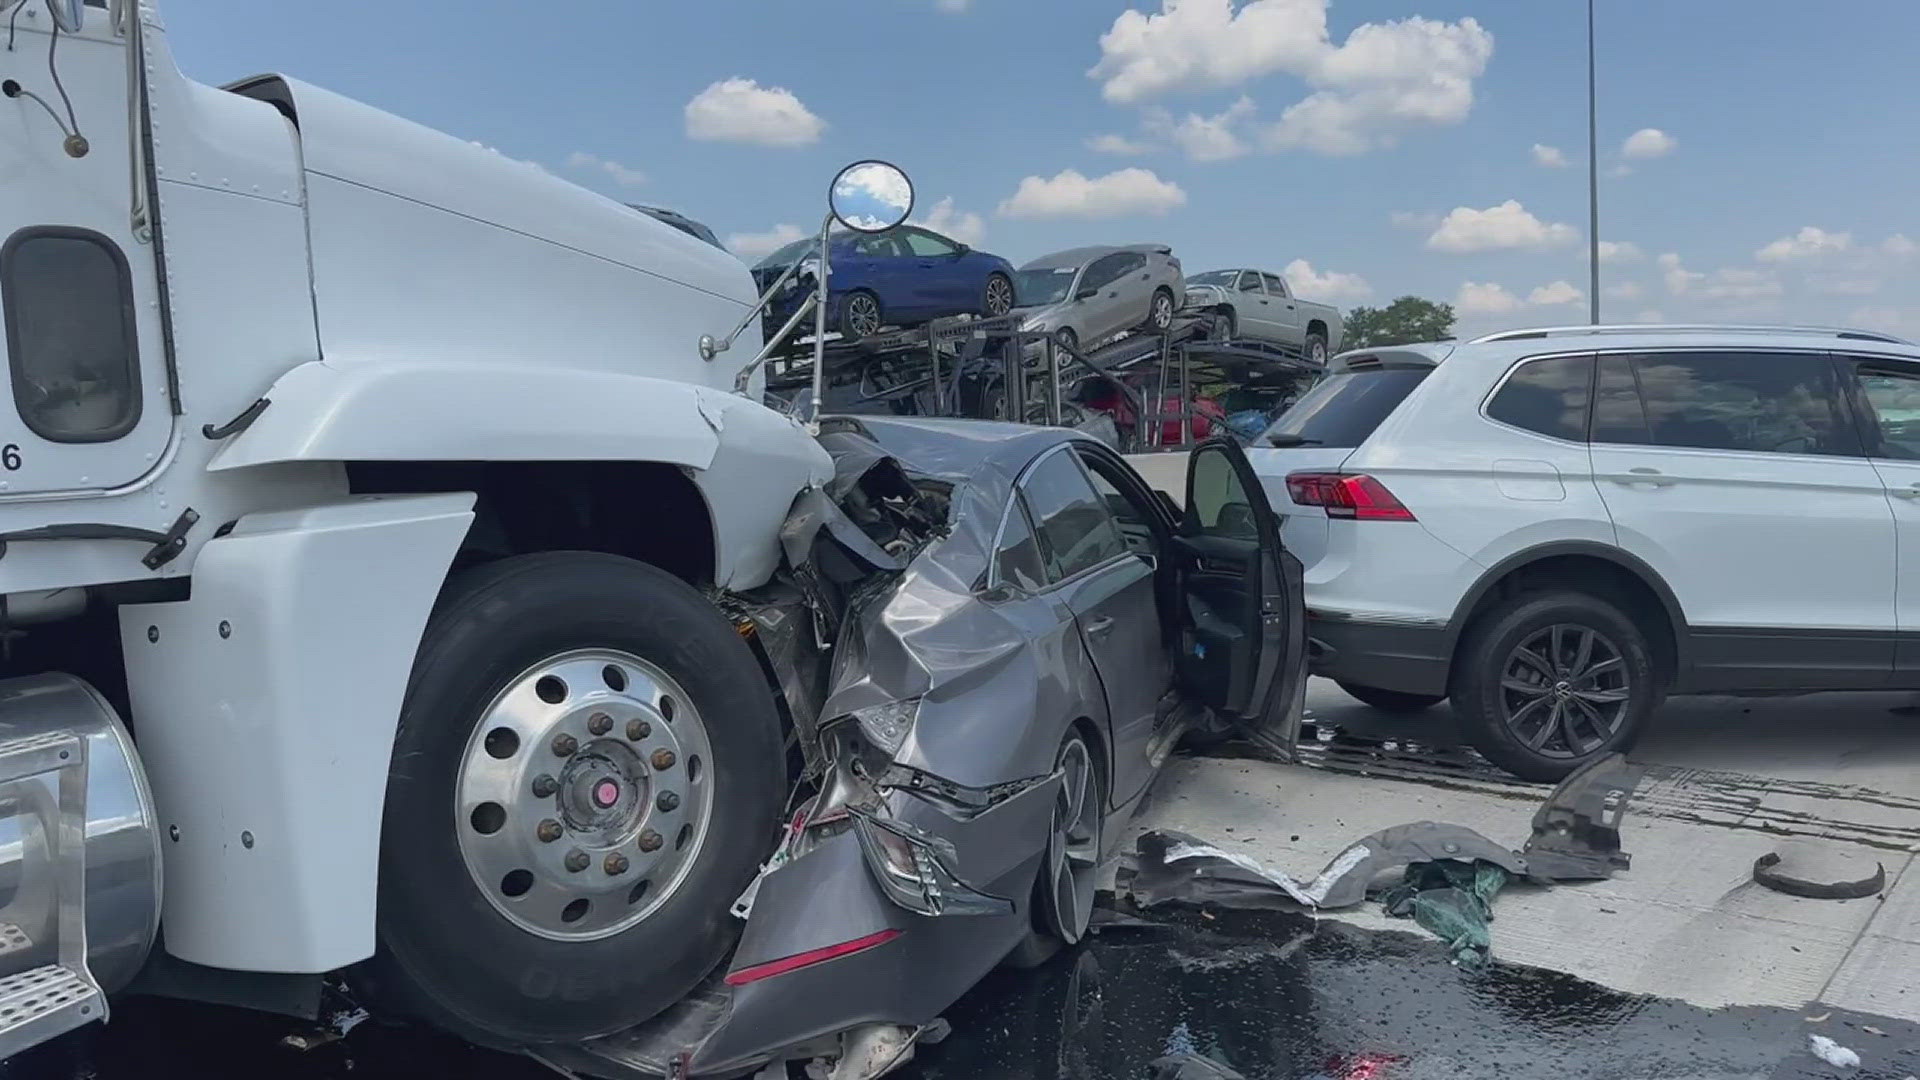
{"x":1347,"y":495}
{"x":809,"y":958}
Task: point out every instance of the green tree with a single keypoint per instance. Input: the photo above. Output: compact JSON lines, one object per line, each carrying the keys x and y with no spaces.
{"x":1403,"y":322}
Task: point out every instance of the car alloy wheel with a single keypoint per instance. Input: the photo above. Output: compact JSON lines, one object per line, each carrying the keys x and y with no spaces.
{"x":584,"y":795}
{"x":1317,"y":350}
{"x":1565,"y":690}
{"x":999,"y":295}
{"x":1162,"y":311}
{"x":863,"y":315}
{"x":1073,"y":848}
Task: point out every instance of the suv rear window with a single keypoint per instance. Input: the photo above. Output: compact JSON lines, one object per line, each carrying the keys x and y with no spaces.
{"x":1342,"y":410}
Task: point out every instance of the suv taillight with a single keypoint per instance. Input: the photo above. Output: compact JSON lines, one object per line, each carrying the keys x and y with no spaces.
{"x":1347,"y":495}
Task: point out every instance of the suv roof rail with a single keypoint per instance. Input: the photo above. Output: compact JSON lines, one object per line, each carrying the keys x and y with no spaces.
{"x":1843,"y":332}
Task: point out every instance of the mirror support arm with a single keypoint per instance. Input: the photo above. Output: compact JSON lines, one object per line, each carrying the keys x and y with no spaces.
{"x":766,"y":350}
{"x":709,"y":348}
{"x":820,"y":326}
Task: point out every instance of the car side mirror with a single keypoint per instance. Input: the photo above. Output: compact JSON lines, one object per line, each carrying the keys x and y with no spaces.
{"x":1087,"y":293}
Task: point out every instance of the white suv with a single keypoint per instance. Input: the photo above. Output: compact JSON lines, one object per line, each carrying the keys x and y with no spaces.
{"x":1557,"y":528}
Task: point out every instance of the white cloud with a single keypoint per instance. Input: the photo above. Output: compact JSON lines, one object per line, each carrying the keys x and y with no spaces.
{"x":1549,"y":156}
{"x":1328,"y":286}
{"x":1117,"y":144}
{"x":1117,"y":194}
{"x":1478,"y":298}
{"x":621,"y":174}
{"x":755,"y":245}
{"x":1204,"y":138}
{"x":1618,"y":251}
{"x":741,"y":110}
{"x":1385,"y":78}
{"x":1899,"y":246}
{"x":1809,"y":242}
{"x":1739,"y":283}
{"x":968,"y":228}
{"x":1508,"y":225}
{"x":1553,"y":293}
{"x":1648,"y":143}
{"x":1625,"y":290}
{"x":1678,"y":278}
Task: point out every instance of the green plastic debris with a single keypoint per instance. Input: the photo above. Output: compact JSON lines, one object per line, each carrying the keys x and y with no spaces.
{"x":1454,"y":901}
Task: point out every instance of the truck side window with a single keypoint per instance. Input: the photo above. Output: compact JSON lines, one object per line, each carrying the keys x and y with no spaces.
{"x":71,"y":341}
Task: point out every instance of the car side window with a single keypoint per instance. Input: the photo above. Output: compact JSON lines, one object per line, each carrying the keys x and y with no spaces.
{"x":1893,"y":396}
{"x":1618,"y":415}
{"x":1275,"y":286}
{"x":1249,"y":281}
{"x":1077,"y":532}
{"x":1766,"y":402}
{"x":925,"y":244}
{"x":1131,"y":518}
{"x":1546,"y":396}
{"x":877,"y":246}
{"x":1128,"y":263}
{"x":1017,"y":562}
{"x":1101,"y":272}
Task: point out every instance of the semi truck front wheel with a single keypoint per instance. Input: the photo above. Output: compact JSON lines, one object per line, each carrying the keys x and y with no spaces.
{"x":587,"y":774}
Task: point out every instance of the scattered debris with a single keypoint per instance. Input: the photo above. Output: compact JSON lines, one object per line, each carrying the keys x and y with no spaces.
{"x":1191,"y":1067}
{"x":1576,"y":832}
{"x":1833,"y":1053}
{"x":1871,"y":1030}
{"x":1821,"y":1019}
{"x":1453,"y":900}
{"x":1819,"y":872}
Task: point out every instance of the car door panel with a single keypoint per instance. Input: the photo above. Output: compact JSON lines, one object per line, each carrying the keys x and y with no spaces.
{"x":1886,"y":395}
{"x":1242,"y":631}
{"x":1751,"y":541}
{"x":1289,"y":328}
{"x":1255,"y":308}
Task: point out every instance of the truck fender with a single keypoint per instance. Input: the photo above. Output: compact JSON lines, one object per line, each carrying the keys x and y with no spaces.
{"x":747,"y":460}
{"x":265,"y":709}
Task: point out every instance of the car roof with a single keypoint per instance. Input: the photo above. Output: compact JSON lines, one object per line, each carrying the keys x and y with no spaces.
{"x":958,"y":449}
{"x":1511,"y":344}
{"x":1080,"y":255}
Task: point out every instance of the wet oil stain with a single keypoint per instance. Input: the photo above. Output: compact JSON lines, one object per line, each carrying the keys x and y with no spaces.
{"x":1271,"y":996}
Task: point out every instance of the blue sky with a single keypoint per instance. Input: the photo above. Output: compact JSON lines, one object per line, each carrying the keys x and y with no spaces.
{"x":1369,"y":147}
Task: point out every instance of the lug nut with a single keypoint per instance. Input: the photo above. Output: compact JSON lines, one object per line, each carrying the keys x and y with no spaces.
{"x":549,"y":831}
{"x":650,"y":841}
{"x":599,"y":723}
{"x":668,"y":801}
{"x":616,"y":864}
{"x":564,"y":745}
{"x":577,"y":860}
{"x":638,"y":729}
{"x":663,"y":759}
{"x":544,"y":786}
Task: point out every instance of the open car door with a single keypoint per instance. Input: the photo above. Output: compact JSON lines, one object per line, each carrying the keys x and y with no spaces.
{"x":1243,"y":627}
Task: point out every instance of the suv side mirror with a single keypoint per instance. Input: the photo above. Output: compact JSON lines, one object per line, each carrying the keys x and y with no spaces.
{"x":1087,"y":292}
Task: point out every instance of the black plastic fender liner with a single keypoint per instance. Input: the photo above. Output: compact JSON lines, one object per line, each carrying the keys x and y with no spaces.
{"x":1576,"y":832}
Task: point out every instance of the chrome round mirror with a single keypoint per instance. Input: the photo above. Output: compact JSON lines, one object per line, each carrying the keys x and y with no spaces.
{"x":68,"y":15}
{"x":871,"y":196}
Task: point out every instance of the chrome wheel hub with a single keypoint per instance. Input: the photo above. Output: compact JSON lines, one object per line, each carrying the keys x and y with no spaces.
{"x":584,"y":794}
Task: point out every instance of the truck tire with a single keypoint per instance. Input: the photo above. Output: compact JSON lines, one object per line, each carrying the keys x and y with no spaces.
{"x":1397,"y":702}
{"x":1547,"y":682}
{"x":1316,"y":348}
{"x":587,"y":774}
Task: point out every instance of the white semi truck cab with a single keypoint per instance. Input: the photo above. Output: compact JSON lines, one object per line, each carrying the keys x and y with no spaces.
{"x":367,"y":502}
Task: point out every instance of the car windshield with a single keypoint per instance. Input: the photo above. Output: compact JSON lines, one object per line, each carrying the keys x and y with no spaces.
{"x":1342,"y":410}
{"x":783,"y":256}
{"x":1031,"y":288}
{"x":1215,"y":277}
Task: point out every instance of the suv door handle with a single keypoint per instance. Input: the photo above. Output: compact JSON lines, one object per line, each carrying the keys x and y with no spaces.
{"x":1909,"y":492}
{"x":1643,"y":475}
{"x":1100,"y":625}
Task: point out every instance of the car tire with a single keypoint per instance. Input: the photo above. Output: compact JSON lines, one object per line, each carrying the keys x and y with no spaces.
{"x":1067,"y":337}
{"x":997,"y":300}
{"x":1521,"y":670}
{"x":1397,"y":702}
{"x":1160,"y":311}
{"x":1223,"y":327}
{"x":1062,"y":905}
{"x":453,"y":949}
{"x":860,"y":314}
{"x":1316,"y":349}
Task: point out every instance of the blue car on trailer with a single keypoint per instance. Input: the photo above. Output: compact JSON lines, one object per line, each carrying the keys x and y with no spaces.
{"x":901,"y":277}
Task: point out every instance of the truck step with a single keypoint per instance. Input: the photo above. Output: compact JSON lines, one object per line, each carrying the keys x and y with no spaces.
{"x":13,"y":940}
{"x":44,"y":1002}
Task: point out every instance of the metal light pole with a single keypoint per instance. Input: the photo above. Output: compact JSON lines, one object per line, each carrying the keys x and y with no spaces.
{"x":1593,"y":184}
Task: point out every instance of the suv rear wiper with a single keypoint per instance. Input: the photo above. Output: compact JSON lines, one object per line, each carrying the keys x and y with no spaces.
{"x":1293,"y":440}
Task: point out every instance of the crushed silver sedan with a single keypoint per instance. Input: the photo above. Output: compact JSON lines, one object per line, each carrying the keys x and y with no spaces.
{"x":1021,"y":629}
